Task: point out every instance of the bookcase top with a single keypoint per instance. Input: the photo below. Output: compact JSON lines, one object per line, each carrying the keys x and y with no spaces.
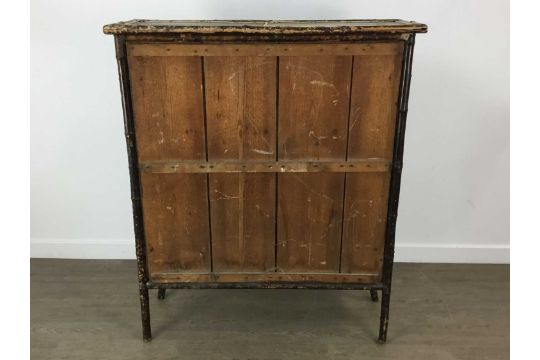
{"x":265,"y":27}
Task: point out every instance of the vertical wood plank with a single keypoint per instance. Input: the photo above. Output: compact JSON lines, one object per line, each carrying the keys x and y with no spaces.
{"x":309,"y":222}
{"x":240,"y":107}
{"x":375,"y":88}
{"x":176,"y":222}
{"x":313,"y":107}
{"x":169,"y":123}
{"x":364,"y":222}
{"x":313,"y":115}
{"x":241,"y":119}
{"x":168,"y":106}
{"x":242,"y":213}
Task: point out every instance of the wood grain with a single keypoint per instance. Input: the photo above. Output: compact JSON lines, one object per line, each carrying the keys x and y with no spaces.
{"x":375,"y":89}
{"x":364,"y":222}
{"x":255,"y":166}
{"x":266,"y":50}
{"x":313,"y":107}
{"x":309,"y":222}
{"x":176,"y":222}
{"x":241,"y":125}
{"x":313,"y":114}
{"x":365,"y":278}
{"x":168,"y":106}
{"x":243,"y":215}
{"x":169,"y":123}
{"x":319,"y":222}
{"x":241,"y":107}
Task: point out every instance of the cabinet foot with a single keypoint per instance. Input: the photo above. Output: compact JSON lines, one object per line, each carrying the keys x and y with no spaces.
{"x":145,"y":314}
{"x":161,"y":293}
{"x":385,"y":309}
{"x":374,"y":295}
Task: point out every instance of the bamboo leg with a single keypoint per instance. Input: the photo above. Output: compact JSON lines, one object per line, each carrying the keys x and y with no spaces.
{"x":129,"y":124}
{"x":385,"y":309}
{"x":161,"y":293}
{"x":145,"y":314}
{"x":374,"y":295}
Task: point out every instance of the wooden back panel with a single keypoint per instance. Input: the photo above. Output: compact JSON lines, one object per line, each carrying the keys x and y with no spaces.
{"x":241,"y":125}
{"x":169,"y":124}
{"x":313,"y":115}
{"x":247,"y":104}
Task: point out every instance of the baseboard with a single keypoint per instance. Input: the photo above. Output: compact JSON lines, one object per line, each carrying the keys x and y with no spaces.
{"x":453,"y":253}
{"x":125,"y":249}
{"x":82,"y":248}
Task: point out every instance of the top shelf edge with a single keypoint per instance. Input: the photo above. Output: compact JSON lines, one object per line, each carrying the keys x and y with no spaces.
{"x":260,"y":27}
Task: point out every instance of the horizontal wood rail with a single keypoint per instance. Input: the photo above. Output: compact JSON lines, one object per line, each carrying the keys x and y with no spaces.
{"x":267,"y":277}
{"x":267,"y":285}
{"x":373,"y":48}
{"x":172,"y":167}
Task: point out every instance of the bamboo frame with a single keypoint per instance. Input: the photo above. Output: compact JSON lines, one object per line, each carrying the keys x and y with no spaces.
{"x":307,"y":285}
{"x":395,"y":185}
{"x":131,"y":142}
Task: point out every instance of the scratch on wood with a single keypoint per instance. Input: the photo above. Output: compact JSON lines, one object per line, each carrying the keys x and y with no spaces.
{"x":225,"y":196}
{"x":322,"y":83}
{"x":312,"y":134}
{"x":258,"y":151}
{"x":324,"y":196}
{"x":355,"y":117}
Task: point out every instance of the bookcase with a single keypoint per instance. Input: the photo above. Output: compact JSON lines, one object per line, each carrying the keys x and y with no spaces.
{"x":265,"y":154}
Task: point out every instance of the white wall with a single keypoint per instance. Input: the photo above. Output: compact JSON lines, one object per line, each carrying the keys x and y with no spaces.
{"x":455,"y":191}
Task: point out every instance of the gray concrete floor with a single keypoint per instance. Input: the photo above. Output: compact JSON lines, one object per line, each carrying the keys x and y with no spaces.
{"x":89,"y":309}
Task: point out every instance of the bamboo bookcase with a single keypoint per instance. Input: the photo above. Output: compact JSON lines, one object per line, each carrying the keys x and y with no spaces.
{"x":265,"y":154}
